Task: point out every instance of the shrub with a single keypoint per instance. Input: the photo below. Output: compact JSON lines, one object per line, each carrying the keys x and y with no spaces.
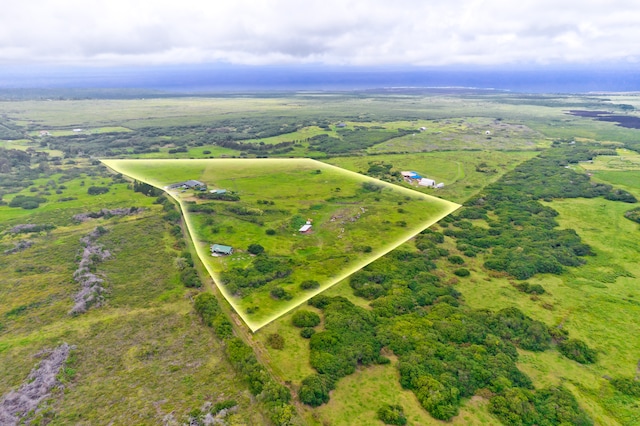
{"x":270,"y":232}
{"x":627,"y":386}
{"x":275,"y":341}
{"x":305,"y":319}
{"x":314,"y":390}
{"x":578,"y":351}
{"x":309,"y":284}
{"x":307,"y":332}
{"x":97,"y":190}
{"x":392,"y":415}
{"x":255,"y":249}
{"x":456,"y":260}
{"x":462,"y":272}
{"x":280,"y":293}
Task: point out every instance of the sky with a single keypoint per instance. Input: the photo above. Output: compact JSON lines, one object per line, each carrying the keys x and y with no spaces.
{"x":342,"y":33}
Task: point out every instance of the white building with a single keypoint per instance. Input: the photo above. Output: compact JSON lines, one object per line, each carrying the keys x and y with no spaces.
{"x":427,"y":182}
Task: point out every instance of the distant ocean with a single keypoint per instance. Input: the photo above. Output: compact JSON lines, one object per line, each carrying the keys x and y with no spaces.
{"x":202,"y":79}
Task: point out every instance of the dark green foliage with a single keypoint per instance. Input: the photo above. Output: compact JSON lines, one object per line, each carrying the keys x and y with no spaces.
{"x":314,"y":390}
{"x":227,"y":196}
{"x":273,"y":395}
{"x":627,"y":386}
{"x":525,"y":287}
{"x":146,"y":189}
{"x":513,"y":325}
{"x":369,"y":285}
{"x":263,"y":270}
{"x":280,"y":293}
{"x":309,"y":285}
{"x":97,"y":190}
{"x":620,"y":195}
{"x":275,"y":341}
{"x":27,"y":202}
{"x":307,"y":332}
{"x":304,"y":318}
{"x":523,"y":239}
{"x":392,"y":415}
{"x":255,"y":249}
{"x":349,"y":340}
{"x":208,"y":208}
{"x":633,"y":214}
{"x":551,"y":406}
{"x":578,"y":351}
{"x":190,"y":278}
{"x":352,"y":140}
{"x":462,"y":272}
{"x":270,"y":232}
{"x":207,"y":306}
{"x":223,"y":405}
{"x":456,"y":260}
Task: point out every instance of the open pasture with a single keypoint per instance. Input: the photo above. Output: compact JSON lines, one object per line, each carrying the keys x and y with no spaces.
{"x":463,"y":173}
{"x":355,"y":219}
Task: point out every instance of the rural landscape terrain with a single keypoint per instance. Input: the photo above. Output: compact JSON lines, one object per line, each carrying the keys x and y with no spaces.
{"x":406,"y":256}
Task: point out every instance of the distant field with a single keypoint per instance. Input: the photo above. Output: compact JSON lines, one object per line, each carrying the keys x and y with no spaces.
{"x":464,"y":133}
{"x":625,"y":160}
{"x":71,"y":132}
{"x":351,"y":226}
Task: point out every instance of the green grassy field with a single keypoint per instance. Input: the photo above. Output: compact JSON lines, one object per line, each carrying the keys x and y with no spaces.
{"x":344,"y":216}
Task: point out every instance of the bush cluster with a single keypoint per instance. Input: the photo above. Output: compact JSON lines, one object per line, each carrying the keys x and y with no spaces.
{"x":273,"y":395}
{"x":520,"y":221}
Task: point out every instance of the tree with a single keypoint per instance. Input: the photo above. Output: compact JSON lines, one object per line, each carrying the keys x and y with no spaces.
{"x":255,"y":249}
{"x":305,"y":319}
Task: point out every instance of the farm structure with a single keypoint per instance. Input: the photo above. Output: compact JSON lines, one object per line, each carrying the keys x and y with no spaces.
{"x":306,"y":228}
{"x":189,"y":184}
{"x":414,"y":178}
{"x":218,"y":249}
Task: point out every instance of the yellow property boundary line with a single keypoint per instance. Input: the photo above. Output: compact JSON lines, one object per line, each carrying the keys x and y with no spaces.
{"x":203,"y":254}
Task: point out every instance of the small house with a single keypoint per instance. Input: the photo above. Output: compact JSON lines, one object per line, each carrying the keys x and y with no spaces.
{"x":218,"y":191}
{"x":440,"y":185}
{"x":194,"y":184}
{"x":217,"y":249}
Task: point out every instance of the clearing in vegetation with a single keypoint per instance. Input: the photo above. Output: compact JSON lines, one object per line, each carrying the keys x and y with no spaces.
{"x":282,"y":231}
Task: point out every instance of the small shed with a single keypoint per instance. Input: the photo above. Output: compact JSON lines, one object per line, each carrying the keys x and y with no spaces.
{"x":440,"y":185}
{"x":306,"y":227}
{"x":218,"y":191}
{"x":221,"y":249}
{"x":427,"y":182}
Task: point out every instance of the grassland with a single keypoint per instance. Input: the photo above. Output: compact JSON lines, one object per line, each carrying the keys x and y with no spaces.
{"x":352,"y":226}
{"x":144,"y":357}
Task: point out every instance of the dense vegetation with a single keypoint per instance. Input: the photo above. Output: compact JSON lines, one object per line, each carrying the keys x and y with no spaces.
{"x":522,"y":236}
{"x":272,"y":394}
{"x":446,"y":351}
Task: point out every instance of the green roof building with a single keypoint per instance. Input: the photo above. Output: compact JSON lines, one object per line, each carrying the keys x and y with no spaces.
{"x":221,"y":249}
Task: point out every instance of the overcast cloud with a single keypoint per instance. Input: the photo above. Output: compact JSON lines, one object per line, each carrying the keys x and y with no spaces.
{"x":329,"y":32}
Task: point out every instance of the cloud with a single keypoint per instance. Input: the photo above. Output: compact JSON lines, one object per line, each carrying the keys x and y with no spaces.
{"x":330,"y":32}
